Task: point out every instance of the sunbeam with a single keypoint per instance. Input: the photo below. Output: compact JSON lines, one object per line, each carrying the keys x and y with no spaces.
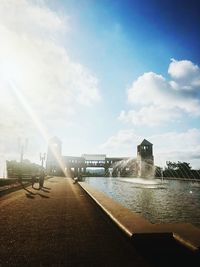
{"x":35,"y":119}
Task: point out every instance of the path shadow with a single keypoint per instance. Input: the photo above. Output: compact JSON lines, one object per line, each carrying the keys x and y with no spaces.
{"x":32,"y":195}
{"x":43,"y":196}
{"x":29,"y":196}
{"x":48,"y":188}
{"x":44,"y":190}
{"x":30,"y":192}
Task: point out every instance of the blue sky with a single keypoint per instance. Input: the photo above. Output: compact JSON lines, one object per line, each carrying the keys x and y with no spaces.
{"x":101,"y":75}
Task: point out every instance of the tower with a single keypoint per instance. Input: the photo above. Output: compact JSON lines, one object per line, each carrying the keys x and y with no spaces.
{"x":145,"y":159}
{"x":54,"y":156}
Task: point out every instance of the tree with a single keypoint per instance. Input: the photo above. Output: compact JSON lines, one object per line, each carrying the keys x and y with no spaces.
{"x":171,"y":165}
{"x":178,"y":169}
{"x":183,"y":165}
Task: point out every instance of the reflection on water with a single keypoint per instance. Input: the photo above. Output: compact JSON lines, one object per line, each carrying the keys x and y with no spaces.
{"x":145,"y":183}
{"x":159,"y":202}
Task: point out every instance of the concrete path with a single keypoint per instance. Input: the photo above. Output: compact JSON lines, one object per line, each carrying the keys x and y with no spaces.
{"x":60,"y":226}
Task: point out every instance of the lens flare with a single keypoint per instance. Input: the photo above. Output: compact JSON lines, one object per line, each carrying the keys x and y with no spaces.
{"x":29,"y":110}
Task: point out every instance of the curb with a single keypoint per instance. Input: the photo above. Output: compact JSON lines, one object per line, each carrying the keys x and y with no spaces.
{"x":17,"y":187}
{"x":139,"y":229}
{"x":13,"y":189}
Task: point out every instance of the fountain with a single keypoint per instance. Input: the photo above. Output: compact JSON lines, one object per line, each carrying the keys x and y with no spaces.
{"x":110,"y":172}
{"x":159,"y":200}
{"x":142,"y":168}
{"x":145,"y":160}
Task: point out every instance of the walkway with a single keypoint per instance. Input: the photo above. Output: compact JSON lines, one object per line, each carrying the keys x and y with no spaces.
{"x":60,"y":226}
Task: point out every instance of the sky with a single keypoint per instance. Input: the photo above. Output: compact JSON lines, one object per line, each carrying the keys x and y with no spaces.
{"x":101,"y":76}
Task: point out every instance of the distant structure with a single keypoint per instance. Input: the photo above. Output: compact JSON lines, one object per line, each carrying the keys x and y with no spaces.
{"x":54,"y":162}
{"x":145,"y":160}
{"x":143,"y":166}
{"x":57,"y":164}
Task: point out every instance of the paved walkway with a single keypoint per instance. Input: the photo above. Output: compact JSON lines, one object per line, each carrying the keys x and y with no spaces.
{"x":60,"y":226}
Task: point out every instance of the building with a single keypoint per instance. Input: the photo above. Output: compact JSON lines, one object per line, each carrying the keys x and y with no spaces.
{"x":57,"y":164}
{"x":145,"y":159}
{"x":60,"y":165}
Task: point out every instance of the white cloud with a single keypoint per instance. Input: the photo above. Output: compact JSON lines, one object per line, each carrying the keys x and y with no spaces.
{"x":173,"y":146}
{"x":121,"y":139}
{"x":186,"y":73}
{"x":34,"y":58}
{"x":157,"y":100}
{"x":151,"y":115}
{"x":31,"y":18}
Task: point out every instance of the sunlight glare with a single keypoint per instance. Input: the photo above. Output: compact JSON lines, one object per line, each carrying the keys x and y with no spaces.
{"x":21,"y":98}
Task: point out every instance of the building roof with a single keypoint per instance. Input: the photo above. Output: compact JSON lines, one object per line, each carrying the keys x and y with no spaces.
{"x":146,"y":143}
{"x":72,"y":158}
{"x":94,"y":156}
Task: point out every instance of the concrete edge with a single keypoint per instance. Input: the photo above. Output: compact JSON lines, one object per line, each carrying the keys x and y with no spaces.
{"x":186,"y":243}
{"x":132,"y":230}
{"x":120,"y":225}
{"x":13,"y":189}
{"x":186,"y":234}
{"x":17,"y":187}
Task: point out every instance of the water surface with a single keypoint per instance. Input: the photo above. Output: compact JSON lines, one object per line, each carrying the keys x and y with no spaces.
{"x":170,"y":201}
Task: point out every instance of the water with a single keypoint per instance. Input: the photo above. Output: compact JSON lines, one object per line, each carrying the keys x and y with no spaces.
{"x":169,"y":202}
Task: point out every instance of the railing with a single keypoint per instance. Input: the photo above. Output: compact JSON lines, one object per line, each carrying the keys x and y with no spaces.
{"x":95,"y":164}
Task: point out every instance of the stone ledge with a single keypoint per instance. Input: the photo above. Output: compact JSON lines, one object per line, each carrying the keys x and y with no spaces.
{"x":9,"y":189}
{"x":135,"y":226}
